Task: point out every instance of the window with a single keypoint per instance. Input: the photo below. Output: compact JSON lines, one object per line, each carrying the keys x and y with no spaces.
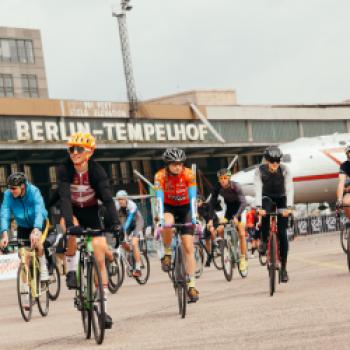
{"x":6,"y":85}
{"x":16,"y":51}
{"x":29,"y":85}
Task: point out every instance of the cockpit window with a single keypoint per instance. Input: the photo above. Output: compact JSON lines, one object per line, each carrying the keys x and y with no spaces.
{"x":286,"y":158}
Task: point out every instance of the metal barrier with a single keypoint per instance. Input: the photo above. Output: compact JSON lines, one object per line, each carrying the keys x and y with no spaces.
{"x":318,"y":224}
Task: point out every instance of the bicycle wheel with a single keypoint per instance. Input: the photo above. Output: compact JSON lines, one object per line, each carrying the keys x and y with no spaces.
{"x":82,"y":299}
{"x":216,"y":253}
{"x":145,"y":269}
{"x":115,"y":273}
{"x":54,"y":284}
{"x":24,"y":293}
{"x":43,"y":299}
{"x":344,"y":238}
{"x":226,"y":260}
{"x":97,"y":300}
{"x":180,"y":282}
{"x":272,"y":263}
{"x":262,"y":259}
{"x":199,"y":258}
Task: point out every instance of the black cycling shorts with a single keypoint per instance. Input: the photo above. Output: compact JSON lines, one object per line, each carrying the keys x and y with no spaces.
{"x":88,"y":217}
{"x":24,"y":232}
{"x":182,"y":215}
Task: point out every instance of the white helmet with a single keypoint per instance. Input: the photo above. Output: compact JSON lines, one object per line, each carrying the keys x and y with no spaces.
{"x":121,"y":194}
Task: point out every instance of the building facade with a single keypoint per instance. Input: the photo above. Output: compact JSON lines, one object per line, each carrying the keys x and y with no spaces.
{"x":22,"y":67}
{"x":33,"y":134}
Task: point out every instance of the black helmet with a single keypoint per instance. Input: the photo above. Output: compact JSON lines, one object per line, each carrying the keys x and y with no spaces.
{"x":174,"y":155}
{"x":16,"y":179}
{"x":223,"y":172}
{"x":273,"y":154}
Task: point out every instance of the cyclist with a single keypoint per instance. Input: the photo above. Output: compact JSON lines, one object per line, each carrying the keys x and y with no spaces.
{"x":81,"y":182}
{"x":274,"y":184}
{"x":206,"y":213}
{"x":343,"y":190}
{"x":176,"y":192}
{"x":253,"y":232}
{"x":133,"y":225}
{"x":235,"y":203}
{"x":24,"y":202}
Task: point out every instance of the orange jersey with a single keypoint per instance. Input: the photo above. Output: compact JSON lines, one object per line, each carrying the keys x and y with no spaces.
{"x":175,"y":187}
{"x":251,"y":218}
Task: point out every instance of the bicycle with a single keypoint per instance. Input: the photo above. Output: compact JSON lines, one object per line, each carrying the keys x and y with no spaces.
{"x":344,"y":235}
{"x":230,"y":252}
{"x":215,"y":250}
{"x":124,"y":260}
{"x":178,"y":269}
{"x":89,"y":295}
{"x":50,"y":245}
{"x":273,"y":257}
{"x":30,"y":289}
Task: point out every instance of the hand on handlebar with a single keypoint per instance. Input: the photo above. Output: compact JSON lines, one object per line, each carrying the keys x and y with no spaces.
{"x":262,"y":212}
{"x":286,"y":212}
{"x":4,"y":240}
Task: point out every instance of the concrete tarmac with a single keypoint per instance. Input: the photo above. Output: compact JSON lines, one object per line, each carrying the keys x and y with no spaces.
{"x":312,"y":311}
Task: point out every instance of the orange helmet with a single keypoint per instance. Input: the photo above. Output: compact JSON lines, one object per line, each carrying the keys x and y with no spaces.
{"x":85,"y":140}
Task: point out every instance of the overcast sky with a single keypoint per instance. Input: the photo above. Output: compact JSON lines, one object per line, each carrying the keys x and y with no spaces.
{"x":269,"y":51}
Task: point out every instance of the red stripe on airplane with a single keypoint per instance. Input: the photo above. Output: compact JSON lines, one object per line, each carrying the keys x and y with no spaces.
{"x":315,"y":177}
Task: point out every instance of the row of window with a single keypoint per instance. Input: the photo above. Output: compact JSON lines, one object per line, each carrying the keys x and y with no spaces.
{"x":28,"y":81}
{"x":16,"y":51}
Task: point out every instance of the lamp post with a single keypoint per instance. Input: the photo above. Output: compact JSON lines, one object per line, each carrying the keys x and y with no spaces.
{"x":120,"y":13}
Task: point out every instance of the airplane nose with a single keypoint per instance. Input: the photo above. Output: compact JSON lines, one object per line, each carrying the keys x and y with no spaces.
{"x":246,"y":180}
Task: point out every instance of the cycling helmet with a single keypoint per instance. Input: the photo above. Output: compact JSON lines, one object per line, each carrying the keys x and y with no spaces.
{"x":16,"y":179}
{"x":85,"y":140}
{"x":224,"y":172}
{"x":174,"y":155}
{"x":121,"y":194}
{"x":273,"y":154}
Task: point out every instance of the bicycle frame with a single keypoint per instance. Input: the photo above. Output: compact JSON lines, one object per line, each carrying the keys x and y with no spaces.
{"x":273,"y":231}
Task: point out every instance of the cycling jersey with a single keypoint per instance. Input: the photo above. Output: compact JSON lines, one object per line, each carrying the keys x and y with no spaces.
{"x":130,"y":216}
{"x":28,"y":211}
{"x":251,"y":218}
{"x":273,"y":184}
{"x":82,"y":194}
{"x":98,"y":181}
{"x":176,"y":190}
{"x":233,"y":198}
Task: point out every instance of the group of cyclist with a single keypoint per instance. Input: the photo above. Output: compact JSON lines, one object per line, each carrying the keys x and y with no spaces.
{"x":82,"y":183}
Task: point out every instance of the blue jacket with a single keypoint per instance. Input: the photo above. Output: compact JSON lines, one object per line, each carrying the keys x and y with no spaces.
{"x":29,"y":211}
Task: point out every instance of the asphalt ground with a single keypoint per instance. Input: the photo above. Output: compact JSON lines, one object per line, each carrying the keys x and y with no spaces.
{"x":312,"y":311}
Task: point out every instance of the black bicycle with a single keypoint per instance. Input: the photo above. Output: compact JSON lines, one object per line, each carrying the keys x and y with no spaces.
{"x":178,"y":269}
{"x":344,"y":234}
{"x":89,"y":296}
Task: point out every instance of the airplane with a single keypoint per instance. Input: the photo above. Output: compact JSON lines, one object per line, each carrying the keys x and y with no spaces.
{"x":314,"y":164}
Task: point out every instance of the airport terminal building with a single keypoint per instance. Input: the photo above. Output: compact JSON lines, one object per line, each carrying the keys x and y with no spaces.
{"x":208,"y":124}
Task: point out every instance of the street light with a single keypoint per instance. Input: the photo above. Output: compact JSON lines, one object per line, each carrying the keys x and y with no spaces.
{"x":120,"y":13}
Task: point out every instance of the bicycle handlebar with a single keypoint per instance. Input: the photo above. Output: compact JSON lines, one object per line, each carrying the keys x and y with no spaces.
{"x":86,"y":232}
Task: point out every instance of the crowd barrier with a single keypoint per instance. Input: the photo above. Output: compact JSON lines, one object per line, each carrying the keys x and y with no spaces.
{"x":318,"y":224}
{"x":8,"y":266}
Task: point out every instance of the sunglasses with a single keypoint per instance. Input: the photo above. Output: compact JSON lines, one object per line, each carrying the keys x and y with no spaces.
{"x":275,"y":161}
{"x":77,"y":149}
{"x":224,"y":177}
{"x":13,"y":188}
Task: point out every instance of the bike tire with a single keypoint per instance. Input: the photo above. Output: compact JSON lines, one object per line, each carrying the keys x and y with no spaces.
{"x":145,"y":269}
{"x":115,"y":281}
{"x":43,"y":298}
{"x":216,"y":253}
{"x":199,"y":258}
{"x":180,"y":282}
{"x":262,"y":259}
{"x":344,"y":238}
{"x":55,"y":280}
{"x":83,"y":302}
{"x":226,"y":260}
{"x":97,"y":300}
{"x":26,"y":312}
{"x":272,"y":264}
